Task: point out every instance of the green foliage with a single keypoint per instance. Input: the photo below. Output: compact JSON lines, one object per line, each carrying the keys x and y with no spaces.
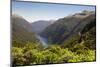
{"x":32,"y":54}
{"x":69,"y":51}
{"x":91,"y":44}
{"x":17,"y":55}
{"x":71,"y":42}
{"x":80,"y":47}
{"x":65,"y":44}
{"x":30,"y":57}
{"x":87,"y":55}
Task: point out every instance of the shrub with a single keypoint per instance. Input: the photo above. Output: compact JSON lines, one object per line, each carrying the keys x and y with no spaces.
{"x":17,"y":56}
{"x":88,"y":55}
{"x":30,"y":54}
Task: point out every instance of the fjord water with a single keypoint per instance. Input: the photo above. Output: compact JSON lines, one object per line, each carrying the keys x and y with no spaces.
{"x":42,"y":40}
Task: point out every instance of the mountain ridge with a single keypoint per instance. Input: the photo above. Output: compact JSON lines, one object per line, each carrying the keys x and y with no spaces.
{"x":68,"y":26}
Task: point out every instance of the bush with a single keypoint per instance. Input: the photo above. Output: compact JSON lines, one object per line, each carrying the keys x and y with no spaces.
{"x":30,"y":57}
{"x":17,"y":56}
{"x":91,"y":44}
{"x":87,"y":56}
{"x":30,"y":54}
{"x":80,"y":47}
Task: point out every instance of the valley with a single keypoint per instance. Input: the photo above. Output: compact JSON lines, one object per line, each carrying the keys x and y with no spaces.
{"x":68,"y":39}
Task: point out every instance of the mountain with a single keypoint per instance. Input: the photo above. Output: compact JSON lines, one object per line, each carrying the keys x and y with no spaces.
{"x":85,"y":39}
{"x":67,"y":27}
{"x":20,"y":21}
{"x":39,"y":26}
{"x":21,"y":31}
{"x":54,"y":32}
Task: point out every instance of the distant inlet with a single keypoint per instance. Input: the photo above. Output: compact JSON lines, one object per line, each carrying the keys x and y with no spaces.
{"x":42,"y":40}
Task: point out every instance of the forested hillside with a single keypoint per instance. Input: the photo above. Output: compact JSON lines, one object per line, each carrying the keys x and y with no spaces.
{"x":69,"y":39}
{"x":68,"y":27}
{"x":21,"y":31}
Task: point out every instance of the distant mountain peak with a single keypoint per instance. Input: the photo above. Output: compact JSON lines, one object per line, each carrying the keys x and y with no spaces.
{"x":40,"y":25}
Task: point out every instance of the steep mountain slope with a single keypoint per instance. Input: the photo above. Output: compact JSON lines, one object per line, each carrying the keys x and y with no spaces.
{"x":21,"y":33}
{"x":20,"y":21}
{"x":67,"y":27}
{"x":86,"y":38}
{"x":39,"y":26}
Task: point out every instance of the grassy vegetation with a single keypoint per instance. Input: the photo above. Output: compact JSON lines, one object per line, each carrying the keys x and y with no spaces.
{"x":34,"y":54}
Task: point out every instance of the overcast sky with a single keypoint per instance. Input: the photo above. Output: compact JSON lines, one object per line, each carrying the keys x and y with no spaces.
{"x":33,"y":11}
